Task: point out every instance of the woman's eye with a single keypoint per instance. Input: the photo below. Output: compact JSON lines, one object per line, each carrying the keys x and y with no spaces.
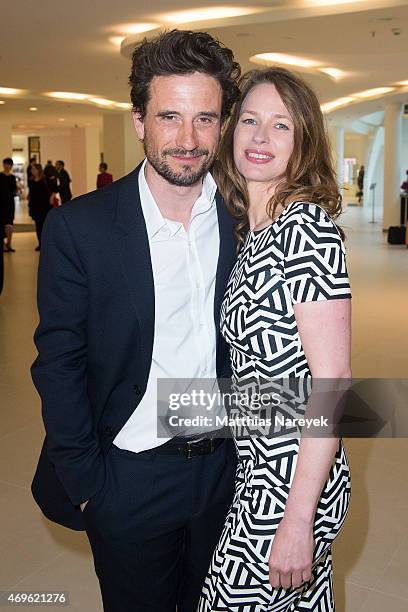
{"x":249,"y":121}
{"x":281,"y":126}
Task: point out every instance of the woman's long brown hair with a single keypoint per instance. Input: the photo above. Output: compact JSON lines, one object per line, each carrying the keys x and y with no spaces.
{"x":309,"y":175}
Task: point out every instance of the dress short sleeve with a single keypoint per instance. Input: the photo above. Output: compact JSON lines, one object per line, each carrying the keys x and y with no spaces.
{"x":314,"y":257}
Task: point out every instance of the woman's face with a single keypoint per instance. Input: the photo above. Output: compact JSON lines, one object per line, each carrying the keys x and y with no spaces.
{"x":34,"y":172}
{"x":263,"y":136}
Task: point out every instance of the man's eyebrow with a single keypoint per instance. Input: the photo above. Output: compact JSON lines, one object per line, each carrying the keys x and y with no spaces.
{"x":164,"y":113}
{"x":209,"y":114}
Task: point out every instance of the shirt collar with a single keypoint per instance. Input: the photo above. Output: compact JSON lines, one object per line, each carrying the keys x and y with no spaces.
{"x":154,"y":219}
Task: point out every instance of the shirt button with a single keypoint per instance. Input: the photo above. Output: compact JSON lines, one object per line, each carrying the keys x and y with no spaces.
{"x":109,"y":430}
{"x":137,"y":390}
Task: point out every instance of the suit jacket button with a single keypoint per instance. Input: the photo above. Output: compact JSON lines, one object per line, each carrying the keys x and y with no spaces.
{"x":137,"y":389}
{"x":109,"y":430}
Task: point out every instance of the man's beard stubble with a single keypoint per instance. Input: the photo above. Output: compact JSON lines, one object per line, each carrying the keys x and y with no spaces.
{"x":185,"y":177}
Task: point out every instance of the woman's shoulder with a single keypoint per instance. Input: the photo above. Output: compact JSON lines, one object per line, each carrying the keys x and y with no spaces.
{"x":306,"y":212}
{"x":302,"y":213}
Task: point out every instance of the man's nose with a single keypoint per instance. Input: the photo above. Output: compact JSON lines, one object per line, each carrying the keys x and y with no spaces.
{"x":187,"y":136}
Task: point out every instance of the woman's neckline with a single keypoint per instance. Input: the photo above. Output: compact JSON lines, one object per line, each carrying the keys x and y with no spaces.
{"x":256,"y":232}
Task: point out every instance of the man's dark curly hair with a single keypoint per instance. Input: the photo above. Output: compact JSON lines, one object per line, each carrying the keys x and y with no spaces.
{"x":183,"y":52}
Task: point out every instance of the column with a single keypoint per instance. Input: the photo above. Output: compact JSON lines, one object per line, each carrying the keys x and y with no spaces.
{"x":85,"y":159}
{"x":122,"y":151}
{"x":6,"y":147}
{"x":392,"y":164}
{"x":338,"y":145}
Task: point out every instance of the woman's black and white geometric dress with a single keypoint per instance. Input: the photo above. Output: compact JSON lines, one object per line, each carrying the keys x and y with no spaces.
{"x":299,"y":258}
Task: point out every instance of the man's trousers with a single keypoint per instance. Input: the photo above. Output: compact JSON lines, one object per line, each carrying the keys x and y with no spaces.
{"x":154,"y":525}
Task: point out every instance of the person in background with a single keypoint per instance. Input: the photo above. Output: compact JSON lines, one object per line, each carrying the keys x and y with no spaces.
{"x":39,"y":202}
{"x":63,"y":181}
{"x":50,"y":174}
{"x":9,"y":191}
{"x":360,"y":184}
{"x":103,"y":178}
{"x":404,"y":186}
{"x":33,"y":160}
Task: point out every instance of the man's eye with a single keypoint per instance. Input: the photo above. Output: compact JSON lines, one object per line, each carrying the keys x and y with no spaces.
{"x":168,"y":117}
{"x":205,"y":120}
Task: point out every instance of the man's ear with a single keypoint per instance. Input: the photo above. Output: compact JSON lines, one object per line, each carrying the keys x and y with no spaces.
{"x":139,"y":125}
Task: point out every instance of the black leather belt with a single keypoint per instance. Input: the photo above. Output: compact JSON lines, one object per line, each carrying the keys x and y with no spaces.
{"x":189,"y":448}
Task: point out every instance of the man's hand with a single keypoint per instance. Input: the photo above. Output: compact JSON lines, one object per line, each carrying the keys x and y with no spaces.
{"x":82,"y":506}
{"x":290,"y":561}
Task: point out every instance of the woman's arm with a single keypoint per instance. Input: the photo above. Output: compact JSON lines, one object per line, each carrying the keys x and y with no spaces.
{"x":324,"y":328}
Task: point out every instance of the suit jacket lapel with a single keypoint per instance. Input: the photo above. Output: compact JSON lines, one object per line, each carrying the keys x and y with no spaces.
{"x":226,"y":258}
{"x":134,"y":252}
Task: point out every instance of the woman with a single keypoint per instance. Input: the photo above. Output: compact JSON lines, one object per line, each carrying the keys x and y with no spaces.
{"x":39,"y":199}
{"x":286,"y":313}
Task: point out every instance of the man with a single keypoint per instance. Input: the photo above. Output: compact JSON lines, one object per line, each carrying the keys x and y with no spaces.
{"x":63,"y":181}
{"x":7,"y":202}
{"x":33,"y":160}
{"x":50,"y":173}
{"x":104,"y":177}
{"x":113,"y":321}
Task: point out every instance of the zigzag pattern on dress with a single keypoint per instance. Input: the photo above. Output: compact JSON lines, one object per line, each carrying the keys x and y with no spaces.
{"x":298,"y":258}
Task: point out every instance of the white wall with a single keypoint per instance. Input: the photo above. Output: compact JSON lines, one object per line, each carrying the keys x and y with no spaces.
{"x":375,"y":170}
{"x":356,"y":145}
{"x":56,"y":146}
{"x":404,"y":151}
{"x":85,"y":156}
{"x":5,"y":139}
{"x":121,"y":148}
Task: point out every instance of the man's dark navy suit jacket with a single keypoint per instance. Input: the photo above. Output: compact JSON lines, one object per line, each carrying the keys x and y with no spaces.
{"x":95,"y":337}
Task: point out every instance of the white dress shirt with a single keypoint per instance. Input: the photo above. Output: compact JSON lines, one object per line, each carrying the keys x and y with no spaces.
{"x":184,"y":269}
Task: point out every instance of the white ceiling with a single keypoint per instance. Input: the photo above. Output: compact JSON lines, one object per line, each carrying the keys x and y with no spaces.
{"x":47,"y":46}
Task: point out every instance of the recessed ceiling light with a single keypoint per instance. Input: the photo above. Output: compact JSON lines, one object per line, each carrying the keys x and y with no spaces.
{"x":101,"y":101}
{"x":335,"y":73}
{"x":33,"y":108}
{"x":283,"y":58}
{"x":61,"y":119}
{"x":403,"y":83}
{"x":331,"y":2}
{"x":134,"y":28}
{"x":124,"y":105}
{"x":329,"y":106}
{"x":213,"y":12}
{"x":116,"y":40}
{"x":10,"y":91}
{"x":2,"y":102}
{"x":372,"y":93}
{"x":66,"y":95}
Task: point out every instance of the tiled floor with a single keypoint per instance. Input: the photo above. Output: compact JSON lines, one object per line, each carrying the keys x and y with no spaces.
{"x":371,"y":554}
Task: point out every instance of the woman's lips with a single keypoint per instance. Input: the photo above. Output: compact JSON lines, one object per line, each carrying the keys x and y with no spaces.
{"x":255,"y":156}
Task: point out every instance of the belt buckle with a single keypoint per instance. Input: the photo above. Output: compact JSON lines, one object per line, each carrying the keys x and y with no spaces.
{"x":189,"y":450}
